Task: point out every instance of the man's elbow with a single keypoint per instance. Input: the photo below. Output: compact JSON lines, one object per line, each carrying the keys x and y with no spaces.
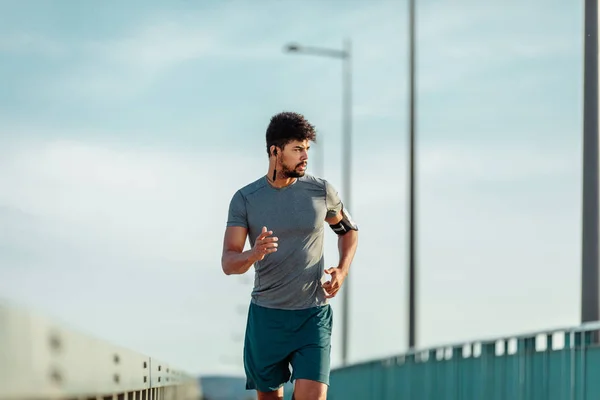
{"x":225,"y":265}
{"x":228,"y":271}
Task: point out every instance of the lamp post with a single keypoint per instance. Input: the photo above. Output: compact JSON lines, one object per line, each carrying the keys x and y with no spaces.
{"x":320,"y":170}
{"x":590,"y":295}
{"x":345,"y":56}
{"x":412,"y":314}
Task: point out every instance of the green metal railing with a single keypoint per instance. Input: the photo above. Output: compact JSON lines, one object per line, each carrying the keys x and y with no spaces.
{"x":559,"y":364}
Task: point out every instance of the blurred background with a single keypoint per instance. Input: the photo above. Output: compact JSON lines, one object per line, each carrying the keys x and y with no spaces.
{"x":126,"y":127}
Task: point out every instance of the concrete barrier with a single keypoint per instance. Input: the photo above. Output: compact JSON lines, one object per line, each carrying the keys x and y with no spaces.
{"x":40,"y":359}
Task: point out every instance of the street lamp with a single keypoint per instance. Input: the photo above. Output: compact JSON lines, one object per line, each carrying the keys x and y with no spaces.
{"x":319,"y":160}
{"x":345,"y":56}
{"x":412,"y":250}
{"x":590,"y":263}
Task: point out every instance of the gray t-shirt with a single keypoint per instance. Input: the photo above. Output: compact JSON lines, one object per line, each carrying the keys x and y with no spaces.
{"x":289,"y":278}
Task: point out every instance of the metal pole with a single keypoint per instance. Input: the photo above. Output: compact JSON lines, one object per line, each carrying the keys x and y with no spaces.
{"x":320,"y":158}
{"x":589,"y":254}
{"x":346,"y":180}
{"x":412,"y":248}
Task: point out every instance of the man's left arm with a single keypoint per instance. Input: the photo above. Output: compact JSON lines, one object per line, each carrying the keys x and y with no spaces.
{"x":347,"y":232}
{"x":347,"y":245}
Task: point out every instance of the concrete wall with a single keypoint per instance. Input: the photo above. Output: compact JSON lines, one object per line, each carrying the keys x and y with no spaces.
{"x":40,"y":359}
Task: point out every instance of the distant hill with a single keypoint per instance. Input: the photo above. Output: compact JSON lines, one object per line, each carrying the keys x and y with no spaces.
{"x":217,"y":387}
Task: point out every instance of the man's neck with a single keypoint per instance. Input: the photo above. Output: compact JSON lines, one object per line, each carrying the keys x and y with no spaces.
{"x":279,"y":181}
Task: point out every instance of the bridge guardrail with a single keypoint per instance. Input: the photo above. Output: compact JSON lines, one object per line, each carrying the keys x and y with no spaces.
{"x":553,"y":364}
{"x":42,"y":359}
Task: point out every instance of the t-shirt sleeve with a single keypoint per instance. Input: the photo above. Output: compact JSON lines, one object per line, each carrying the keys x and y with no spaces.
{"x":237,"y":211}
{"x":332,"y":200}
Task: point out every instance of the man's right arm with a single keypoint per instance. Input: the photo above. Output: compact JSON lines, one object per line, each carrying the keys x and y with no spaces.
{"x":237,"y":261}
{"x":234,"y":259}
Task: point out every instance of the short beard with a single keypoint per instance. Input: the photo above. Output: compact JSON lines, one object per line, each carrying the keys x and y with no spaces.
{"x":291,"y":173}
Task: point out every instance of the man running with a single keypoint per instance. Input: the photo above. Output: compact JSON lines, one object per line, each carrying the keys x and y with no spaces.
{"x":283,"y":214}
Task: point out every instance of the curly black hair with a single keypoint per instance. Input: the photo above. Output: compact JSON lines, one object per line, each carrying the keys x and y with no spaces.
{"x":287,"y":126}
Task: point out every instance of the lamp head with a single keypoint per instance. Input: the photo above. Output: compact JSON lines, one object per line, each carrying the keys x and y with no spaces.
{"x":292,"y":47}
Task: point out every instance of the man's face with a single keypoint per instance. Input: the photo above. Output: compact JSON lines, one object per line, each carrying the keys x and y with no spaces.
{"x":295,"y":158}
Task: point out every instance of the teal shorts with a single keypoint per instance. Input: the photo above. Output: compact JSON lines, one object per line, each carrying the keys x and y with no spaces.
{"x":276,"y":339}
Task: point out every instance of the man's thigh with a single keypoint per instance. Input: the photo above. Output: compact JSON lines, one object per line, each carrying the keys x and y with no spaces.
{"x":311,"y":358}
{"x":266,"y":356}
{"x":312,"y":363}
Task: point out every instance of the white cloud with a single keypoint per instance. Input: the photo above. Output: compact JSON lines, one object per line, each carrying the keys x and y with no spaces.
{"x":155,"y":48}
{"x":150,"y":203}
{"x":459,"y":51}
{"x":498,"y":163}
{"x":124,"y":66}
{"x":26,"y":43}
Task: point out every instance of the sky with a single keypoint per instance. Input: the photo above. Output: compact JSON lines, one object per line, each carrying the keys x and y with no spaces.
{"x":125,"y":128}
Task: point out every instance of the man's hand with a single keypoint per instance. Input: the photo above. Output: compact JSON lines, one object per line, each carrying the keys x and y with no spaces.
{"x":334,"y":285}
{"x":264,"y":244}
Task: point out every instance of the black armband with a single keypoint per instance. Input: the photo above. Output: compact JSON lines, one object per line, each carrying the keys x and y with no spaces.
{"x":345,"y":225}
